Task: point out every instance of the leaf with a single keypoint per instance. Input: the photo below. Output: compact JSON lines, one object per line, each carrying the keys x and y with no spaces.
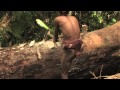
{"x":42,"y":24}
{"x":94,"y":13}
{"x":21,"y":45}
{"x":113,"y":20}
{"x":100,"y":19}
{"x":32,"y":43}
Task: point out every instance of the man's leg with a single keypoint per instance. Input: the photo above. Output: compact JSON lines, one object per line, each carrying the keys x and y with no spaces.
{"x":66,"y":60}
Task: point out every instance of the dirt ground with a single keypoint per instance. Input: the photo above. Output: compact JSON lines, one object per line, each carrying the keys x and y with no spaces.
{"x":23,"y":62}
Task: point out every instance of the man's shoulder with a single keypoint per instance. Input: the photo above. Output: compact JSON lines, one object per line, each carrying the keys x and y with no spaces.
{"x":63,"y":18}
{"x":59,"y":18}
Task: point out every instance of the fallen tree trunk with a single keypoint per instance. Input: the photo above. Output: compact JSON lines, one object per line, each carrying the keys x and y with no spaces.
{"x":100,"y":56}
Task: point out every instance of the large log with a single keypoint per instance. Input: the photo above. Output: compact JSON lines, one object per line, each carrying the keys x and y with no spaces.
{"x":100,"y":55}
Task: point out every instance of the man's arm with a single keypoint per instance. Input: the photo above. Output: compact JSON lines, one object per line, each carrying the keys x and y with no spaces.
{"x":56,"y":24}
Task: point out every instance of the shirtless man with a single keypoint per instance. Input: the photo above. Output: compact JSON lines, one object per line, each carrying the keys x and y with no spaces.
{"x":71,"y":42}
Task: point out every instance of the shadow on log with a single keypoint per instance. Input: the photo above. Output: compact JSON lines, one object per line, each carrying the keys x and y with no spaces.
{"x":101,"y":55}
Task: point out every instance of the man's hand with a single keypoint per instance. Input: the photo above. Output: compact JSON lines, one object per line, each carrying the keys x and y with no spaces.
{"x":56,"y":43}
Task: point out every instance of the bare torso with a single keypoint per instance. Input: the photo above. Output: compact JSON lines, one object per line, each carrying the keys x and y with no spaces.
{"x":69,"y":26}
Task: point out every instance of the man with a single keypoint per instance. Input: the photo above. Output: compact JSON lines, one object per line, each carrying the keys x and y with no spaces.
{"x":71,"y":42}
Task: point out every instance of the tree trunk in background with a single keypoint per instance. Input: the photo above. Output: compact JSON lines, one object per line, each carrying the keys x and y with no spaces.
{"x":100,"y":55}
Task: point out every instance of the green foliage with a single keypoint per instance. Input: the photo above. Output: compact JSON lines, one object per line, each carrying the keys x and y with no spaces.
{"x":98,"y":19}
{"x":4,"y":36}
{"x":22,"y":23}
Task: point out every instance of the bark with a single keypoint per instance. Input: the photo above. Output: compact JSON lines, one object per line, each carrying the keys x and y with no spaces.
{"x":100,"y":56}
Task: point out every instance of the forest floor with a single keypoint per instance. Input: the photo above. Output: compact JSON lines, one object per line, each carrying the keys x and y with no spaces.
{"x":38,"y":61}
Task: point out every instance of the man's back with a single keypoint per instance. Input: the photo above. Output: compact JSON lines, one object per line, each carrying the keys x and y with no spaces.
{"x":69,"y":26}
{"x":71,"y":40}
